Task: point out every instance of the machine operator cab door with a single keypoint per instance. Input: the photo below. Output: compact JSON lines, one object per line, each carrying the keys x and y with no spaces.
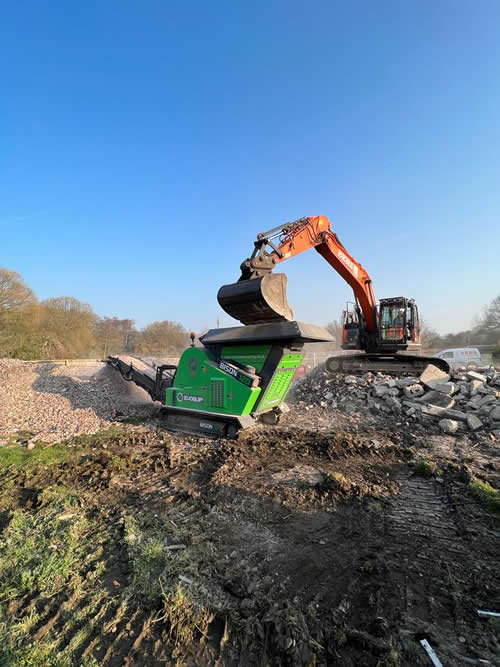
{"x":398,"y":322}
{"x":350,"y":330}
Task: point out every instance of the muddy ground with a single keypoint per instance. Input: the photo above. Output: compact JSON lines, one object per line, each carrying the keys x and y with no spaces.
{"x":322,"y":541}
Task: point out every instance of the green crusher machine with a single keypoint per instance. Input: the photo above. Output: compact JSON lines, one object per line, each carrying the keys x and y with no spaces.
{"x":233,"y":379}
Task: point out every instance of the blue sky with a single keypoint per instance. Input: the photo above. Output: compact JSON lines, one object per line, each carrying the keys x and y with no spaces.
{"x":144,"y":145}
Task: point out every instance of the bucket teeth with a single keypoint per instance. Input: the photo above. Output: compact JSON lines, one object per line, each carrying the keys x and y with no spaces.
{"x":258,"y":300}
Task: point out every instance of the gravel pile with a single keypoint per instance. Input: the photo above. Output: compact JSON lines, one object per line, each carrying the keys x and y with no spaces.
{"x":463,"y":402}
{"x":54,"y":402}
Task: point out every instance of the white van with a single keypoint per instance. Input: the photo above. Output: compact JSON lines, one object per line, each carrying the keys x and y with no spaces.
{"x":467,"y":357}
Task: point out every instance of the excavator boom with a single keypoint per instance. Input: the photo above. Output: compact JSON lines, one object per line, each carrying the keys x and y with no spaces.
{"x":260,"y":296}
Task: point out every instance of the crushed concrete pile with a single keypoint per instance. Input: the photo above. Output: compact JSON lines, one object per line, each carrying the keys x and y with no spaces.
{"x":51,"y":402}
{"x":460,"y":402}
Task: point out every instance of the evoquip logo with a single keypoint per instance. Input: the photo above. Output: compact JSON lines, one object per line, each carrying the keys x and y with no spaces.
{"x":188,"y":397}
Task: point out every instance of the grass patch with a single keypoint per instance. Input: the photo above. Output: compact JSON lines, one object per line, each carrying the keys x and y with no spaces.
{"x":425,"y":468}
{"x":486,"y":494}
{"x":41,"y":552}
{"x":54,"y":557}
{"x":134,"y":420}
{"x":86,"y":440}
{"x":40,"y":455}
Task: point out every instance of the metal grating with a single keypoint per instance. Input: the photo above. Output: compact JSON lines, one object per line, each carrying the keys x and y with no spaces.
{"x":217,"y":393}
{"x":278,"y":389}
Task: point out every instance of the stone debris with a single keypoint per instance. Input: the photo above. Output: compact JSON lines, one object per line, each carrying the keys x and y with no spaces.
{"x":448,"y":425}
{"x":49,"y":402}
{"x":456,"y":403}
{"x":473,"y":422}
{"x":433,"y":374}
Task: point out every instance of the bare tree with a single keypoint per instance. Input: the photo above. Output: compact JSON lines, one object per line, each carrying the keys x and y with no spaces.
{"x":162,"y":339}
{"x":14,"y":293}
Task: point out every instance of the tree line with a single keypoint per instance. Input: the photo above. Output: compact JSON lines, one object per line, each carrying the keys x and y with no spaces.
{"x":64,"y":328}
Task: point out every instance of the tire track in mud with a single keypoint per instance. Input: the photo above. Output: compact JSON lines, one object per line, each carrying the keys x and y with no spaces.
{"x":430,"y":564}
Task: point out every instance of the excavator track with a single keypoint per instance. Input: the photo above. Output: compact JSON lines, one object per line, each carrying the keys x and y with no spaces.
{"x":393,"y":364}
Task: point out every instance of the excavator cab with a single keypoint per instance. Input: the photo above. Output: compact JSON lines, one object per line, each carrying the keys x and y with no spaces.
{"x":398,"y":323}
{"x":350,"y":329}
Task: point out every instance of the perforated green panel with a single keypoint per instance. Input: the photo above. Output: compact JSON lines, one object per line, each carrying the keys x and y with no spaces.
{"x":278,"y":389}
{"x":217,"y":393}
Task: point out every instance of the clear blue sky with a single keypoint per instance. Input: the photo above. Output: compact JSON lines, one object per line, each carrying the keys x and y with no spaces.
{"x":144,"y":144}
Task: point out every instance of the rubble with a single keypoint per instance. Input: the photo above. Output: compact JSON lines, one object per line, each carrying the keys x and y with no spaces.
{"x":456,"y":402}
{"x":448,"y":425}
{"x":50,"y":402}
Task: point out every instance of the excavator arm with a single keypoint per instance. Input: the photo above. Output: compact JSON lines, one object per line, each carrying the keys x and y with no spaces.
{"x":260,"y":296}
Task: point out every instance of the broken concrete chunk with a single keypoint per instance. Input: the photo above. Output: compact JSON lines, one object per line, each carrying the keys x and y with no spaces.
{"x":473,"y":422}
{"x":474,"y":387}
{"x":474,"y":402}
{"x":444,"y":387}
{"x":350,"y":379}
{"x":437,"y":398}
{"x":406,"y":382}
{"x":444,"y":413}
{"x":380,"y":390}
{"x":485,"y":400}
{"x":448,"y":425}
{"x":433,"y":374}
{"x":495,"y":414}
{"x":472,"y":375}
{"x":393,"y":403}
{"x":413,"y":390}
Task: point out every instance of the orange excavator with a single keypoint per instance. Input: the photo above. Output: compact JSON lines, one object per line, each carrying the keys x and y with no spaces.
{"x":385,"y":332}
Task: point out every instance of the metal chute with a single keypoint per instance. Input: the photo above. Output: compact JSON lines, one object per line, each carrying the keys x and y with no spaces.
{"x":257,"y":300}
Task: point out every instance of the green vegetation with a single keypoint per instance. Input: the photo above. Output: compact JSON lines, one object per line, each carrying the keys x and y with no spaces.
{"x":486,"y":494}
{"x":48,"y":555}
{"x":64,"y":328}
{"x":40,"y":455}
{"x":425,"y":468}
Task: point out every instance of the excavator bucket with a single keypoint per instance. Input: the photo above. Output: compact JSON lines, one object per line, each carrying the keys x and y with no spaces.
{"x":257,"y":300}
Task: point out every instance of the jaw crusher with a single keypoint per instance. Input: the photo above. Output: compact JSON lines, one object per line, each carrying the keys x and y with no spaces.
{"x":234,"y":378}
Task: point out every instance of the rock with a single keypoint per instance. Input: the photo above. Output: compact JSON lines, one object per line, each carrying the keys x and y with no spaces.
{"x":406,"y":382}
{"x":433,"y":374}
{"x":380,"y":390}
{"x":350,"y":379}
{"x":444,"y":413}
{"x":494,"y":415}
{"x":485,"y":400}
{"x":30,"y":445}
{"x":443,"y":387}
{"x":474,"y":402}
{"x":413,"y":390}
{"x":472,"y":375}
{"x":393,"y":403}
{"x":448,"y":425}
{"x":437,"y":398}
{"x":473,"y":422}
